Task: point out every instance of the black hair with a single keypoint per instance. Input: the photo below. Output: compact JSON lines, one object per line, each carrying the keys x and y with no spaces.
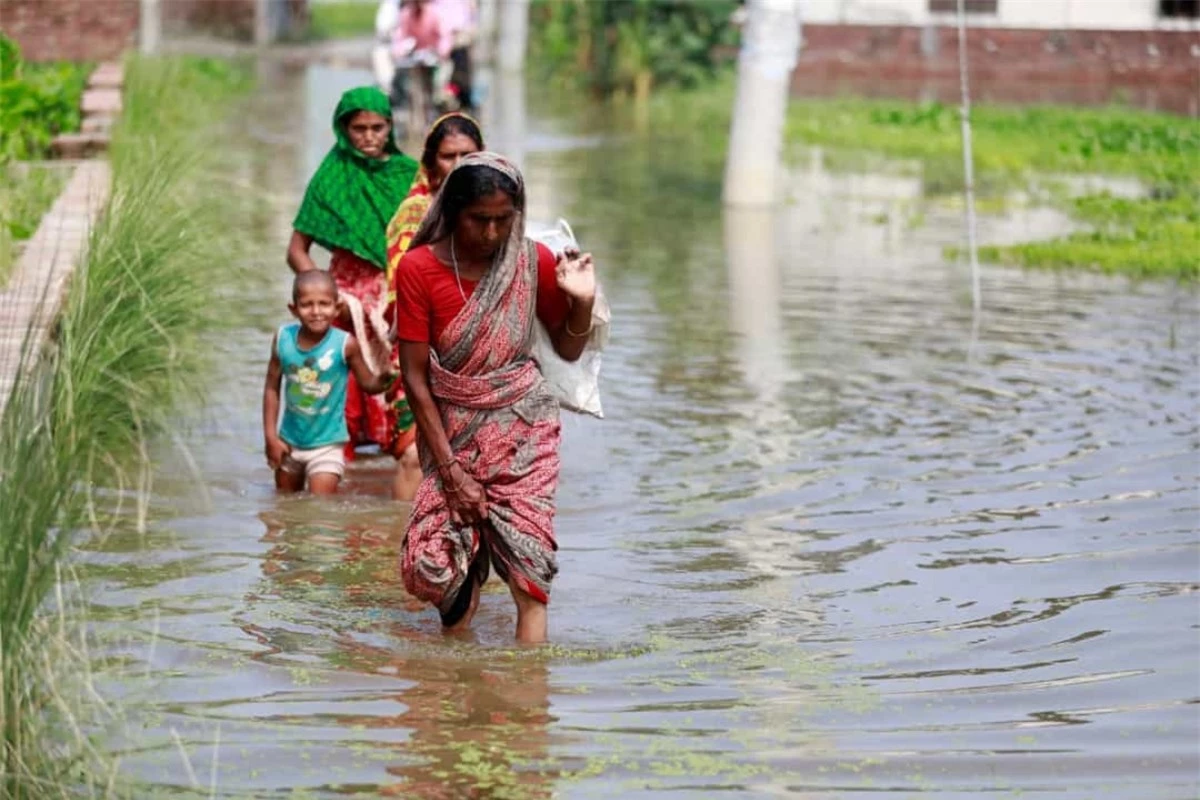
{"x":448,"y":127}
{"x":468,"y":184}
{"x":310,"y":278}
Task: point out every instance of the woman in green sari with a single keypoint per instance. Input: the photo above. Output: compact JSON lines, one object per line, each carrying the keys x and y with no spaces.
{"x":346,"y":209}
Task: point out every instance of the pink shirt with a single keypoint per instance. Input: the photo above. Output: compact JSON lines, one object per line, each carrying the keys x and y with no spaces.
{"x":428,"y":30}
{"x":457,"y":15}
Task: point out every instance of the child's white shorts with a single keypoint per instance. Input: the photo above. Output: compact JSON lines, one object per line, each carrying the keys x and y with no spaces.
{"x":329,"y":460}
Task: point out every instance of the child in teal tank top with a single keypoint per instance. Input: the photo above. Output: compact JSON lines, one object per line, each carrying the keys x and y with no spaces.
{"x":311,"y":360}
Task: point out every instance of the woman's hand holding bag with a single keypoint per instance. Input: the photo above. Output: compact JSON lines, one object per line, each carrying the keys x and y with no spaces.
{"x":575,"y":384}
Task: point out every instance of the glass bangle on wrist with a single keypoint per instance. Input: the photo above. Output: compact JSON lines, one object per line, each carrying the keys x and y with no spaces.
{"x":567,"y":328}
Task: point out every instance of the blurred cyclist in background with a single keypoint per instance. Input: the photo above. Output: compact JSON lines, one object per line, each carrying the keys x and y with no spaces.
{"x":461,"y":17}
{"x":423,"y":35}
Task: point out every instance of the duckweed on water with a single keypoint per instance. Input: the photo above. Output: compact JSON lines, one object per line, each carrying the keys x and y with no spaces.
{"x":1134,"y":236}
{"x":1008,"y":140}
{"x":1014,"y":147}
{"x":1156,"y":235}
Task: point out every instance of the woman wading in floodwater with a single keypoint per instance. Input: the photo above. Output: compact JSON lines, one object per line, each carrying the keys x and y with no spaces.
{"x":449,"y":139}
{"x":346,"y":209}
{"x":468,"y":292}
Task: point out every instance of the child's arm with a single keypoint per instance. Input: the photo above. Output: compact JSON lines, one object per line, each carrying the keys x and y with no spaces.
{"x":276,"y":448}
{"x":368,"y":381}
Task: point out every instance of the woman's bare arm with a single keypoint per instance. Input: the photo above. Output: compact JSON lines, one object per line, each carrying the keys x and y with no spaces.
{"x":577,"y":280}
{"x":297,"y":253}
{"x":414,"y":369}
{"x":568,"y":346}
{"x":464,"y":496}
{"x":368,"y":381}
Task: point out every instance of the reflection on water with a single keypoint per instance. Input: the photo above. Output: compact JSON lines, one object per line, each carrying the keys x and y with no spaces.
{"x":813,"y":551}
{"x":470,"y":724}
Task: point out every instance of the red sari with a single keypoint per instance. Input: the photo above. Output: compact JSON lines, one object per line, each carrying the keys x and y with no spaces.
{"x":369,"y":418}
{"x":503,"y":427}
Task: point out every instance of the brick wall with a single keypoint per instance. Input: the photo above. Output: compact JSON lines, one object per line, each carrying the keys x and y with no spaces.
{"x":95,"y":30}
{"x":1158,"y":69}
{"x":75,"y":30}
{"x":233,"y":18}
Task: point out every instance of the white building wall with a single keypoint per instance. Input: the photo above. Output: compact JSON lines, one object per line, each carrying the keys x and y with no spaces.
{"x":873,"y":12}
{"x":1056,"y":14}
{"x":1079,"y":14}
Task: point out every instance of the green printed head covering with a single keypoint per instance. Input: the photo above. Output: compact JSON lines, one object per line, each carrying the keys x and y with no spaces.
{"x":351,"y":197}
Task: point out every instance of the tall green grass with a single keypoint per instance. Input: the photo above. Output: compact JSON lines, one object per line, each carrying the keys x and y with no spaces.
{"x":124,"y":358}
{"x":626,"y":47}
{"x":341,"y":19}
{"x":26,"y":193}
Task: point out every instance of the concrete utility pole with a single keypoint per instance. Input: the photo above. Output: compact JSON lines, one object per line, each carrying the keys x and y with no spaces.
{"x":968,"y":152}
{"x":262,"y":22}
{"x":150,"y":26}
{"x":770,"y":43}
{"x":485,"y":47}
{"x":514,"y":35}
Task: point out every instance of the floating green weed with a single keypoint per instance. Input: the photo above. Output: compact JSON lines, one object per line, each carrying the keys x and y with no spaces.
{"x":1008,"y":140}
{"x":1151,"y":236}
{"x":1014,"y":147}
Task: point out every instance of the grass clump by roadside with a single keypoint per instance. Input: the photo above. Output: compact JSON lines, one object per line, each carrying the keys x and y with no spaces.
{"x":26,"y":193}
{"x":80,"y":417}
{"x":1155,"y":235}
{"x":341,"y":19}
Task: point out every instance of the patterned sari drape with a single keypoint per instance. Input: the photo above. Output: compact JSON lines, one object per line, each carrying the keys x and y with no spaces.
{"x":503,"y":427}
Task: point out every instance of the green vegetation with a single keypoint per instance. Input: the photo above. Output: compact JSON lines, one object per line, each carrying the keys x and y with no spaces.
{"x":1155,"y":235}
{"x":632,"y":46}
{"x":341,"y":19}
{"x":1008,"y":140}
{"x":82,"y":413}
{"x":1151,"y":236}
{"x":26,"y":193}
{"x":37,"y":101}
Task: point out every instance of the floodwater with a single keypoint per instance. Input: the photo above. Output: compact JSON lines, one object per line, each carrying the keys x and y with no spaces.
{"x":832,"y":540}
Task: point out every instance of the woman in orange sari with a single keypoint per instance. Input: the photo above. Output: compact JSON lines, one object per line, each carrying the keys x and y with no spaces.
{"x":450,"y":138}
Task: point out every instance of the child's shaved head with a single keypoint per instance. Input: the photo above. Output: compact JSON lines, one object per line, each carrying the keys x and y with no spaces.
{"x":312,"y":279}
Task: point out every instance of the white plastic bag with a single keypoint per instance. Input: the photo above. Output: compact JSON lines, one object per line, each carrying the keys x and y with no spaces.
{"x":575,"y":384}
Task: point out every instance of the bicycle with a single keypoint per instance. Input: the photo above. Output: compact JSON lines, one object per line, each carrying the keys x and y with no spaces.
{"x":414,"y":106}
